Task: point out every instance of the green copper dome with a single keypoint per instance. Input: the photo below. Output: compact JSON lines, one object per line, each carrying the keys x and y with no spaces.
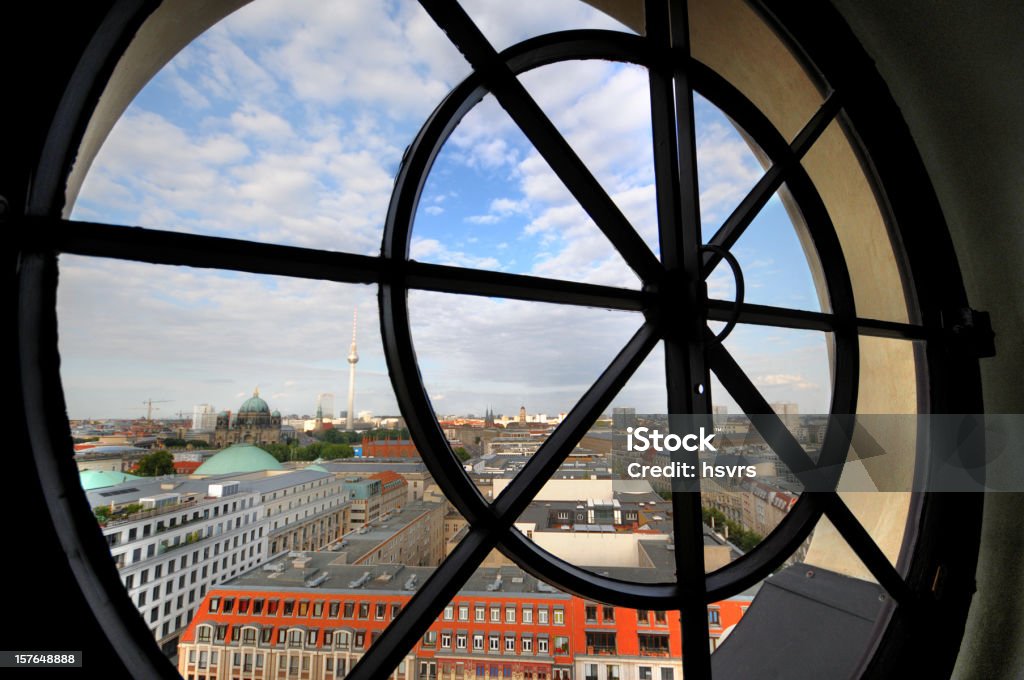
{"x":254,"y":404}
{"x":238,"y":458}
{"x":99,"y":479}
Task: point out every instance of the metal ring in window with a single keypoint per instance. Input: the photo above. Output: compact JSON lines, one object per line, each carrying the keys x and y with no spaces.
{"x":734,"y":265}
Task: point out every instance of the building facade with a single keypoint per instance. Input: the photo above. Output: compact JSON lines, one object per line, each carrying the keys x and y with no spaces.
{"x":503,"y":624}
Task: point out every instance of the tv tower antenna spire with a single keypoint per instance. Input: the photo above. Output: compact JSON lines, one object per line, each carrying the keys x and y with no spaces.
{"x":353,"y":358}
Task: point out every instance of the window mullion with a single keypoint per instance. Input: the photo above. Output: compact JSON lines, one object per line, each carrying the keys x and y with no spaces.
{"x":679,"y":226}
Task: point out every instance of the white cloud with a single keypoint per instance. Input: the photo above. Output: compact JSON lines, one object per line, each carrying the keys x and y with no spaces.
{"x":784,"y":380}
{"x":432,"y":250}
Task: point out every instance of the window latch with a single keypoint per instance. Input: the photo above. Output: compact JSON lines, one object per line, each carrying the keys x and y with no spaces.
{"x":972,"y":331}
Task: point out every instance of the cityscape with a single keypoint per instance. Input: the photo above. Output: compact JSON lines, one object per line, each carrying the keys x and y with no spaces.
{"x":256,"y":544}
{"x":276,"y":532}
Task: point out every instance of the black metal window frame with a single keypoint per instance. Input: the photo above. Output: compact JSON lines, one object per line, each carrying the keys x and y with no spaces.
{"x":673,"y":283}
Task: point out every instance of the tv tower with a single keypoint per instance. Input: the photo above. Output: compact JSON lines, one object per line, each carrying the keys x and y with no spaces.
{"x":353,"y":357}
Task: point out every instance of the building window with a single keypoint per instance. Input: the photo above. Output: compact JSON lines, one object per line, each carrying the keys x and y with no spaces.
{"x":449,"y":613}
{"x":463,"y":612}
{"x":494,"y":644}
{"x":510,"y":614}
{"x":714,"y":617}
{"x":542,"y":616}
{"x":495,"y":614}
{"x":510,"y":643}
{"x":527,"y":614}
{"x":558,"y":616}
{"x":480,"y":613}
{"x":600,"y":643}
{"x":478,"y":641}
{"x":653,"y":644}
{"x":527,"y":644}
{"x":460,"y":641}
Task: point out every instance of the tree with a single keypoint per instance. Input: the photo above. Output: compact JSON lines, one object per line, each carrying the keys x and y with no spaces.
{"x":102,"y":513}
{"x":155,"y":464}
{"x":742,"y":538}
{"x":333,"y":451}
{"x":462,"y":453}
{"x":281,"y":452}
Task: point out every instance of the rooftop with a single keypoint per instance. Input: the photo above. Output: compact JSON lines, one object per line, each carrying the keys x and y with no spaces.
{"x":358,"y":543}
{"x":382,"y":579}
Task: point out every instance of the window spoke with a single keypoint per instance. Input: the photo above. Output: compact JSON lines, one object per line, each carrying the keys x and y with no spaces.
{"x":761,"y":414}
{"x":784,"y":317}
{"x":863,"y":545}
{"x":751,"y":205}
{"x":542,"y":464}
{"x":467,"y":281}
{"x":785,"y":445}
{"x":192,"y":250}
{"x":542,"y":133}
{"x":424,"y":607}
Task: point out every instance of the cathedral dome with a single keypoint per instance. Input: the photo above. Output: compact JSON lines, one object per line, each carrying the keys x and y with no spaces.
{"x":239,"y":458}
{"x":254,"y":404}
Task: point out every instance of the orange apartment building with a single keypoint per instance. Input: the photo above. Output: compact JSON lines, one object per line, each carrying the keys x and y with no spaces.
{"x":504,"y":624}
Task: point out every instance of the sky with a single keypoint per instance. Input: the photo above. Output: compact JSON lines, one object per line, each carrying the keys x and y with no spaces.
{"x":286,"y":123}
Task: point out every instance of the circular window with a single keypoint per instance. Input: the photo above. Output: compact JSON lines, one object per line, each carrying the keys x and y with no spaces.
{"x":816,"y":138}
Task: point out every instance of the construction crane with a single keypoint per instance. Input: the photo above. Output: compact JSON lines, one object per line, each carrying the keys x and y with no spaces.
{"x":149,"y":406}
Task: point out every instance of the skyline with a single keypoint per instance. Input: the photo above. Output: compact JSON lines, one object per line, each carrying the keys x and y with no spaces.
{"x":263,"y":128}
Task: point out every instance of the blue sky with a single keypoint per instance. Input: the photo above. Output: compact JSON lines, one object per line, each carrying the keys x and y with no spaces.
{"x":286,"y":123}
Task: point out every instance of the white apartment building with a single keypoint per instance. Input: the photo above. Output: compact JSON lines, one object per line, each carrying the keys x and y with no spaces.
{"x":194,"y":533}
{"x":204,"y":418}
